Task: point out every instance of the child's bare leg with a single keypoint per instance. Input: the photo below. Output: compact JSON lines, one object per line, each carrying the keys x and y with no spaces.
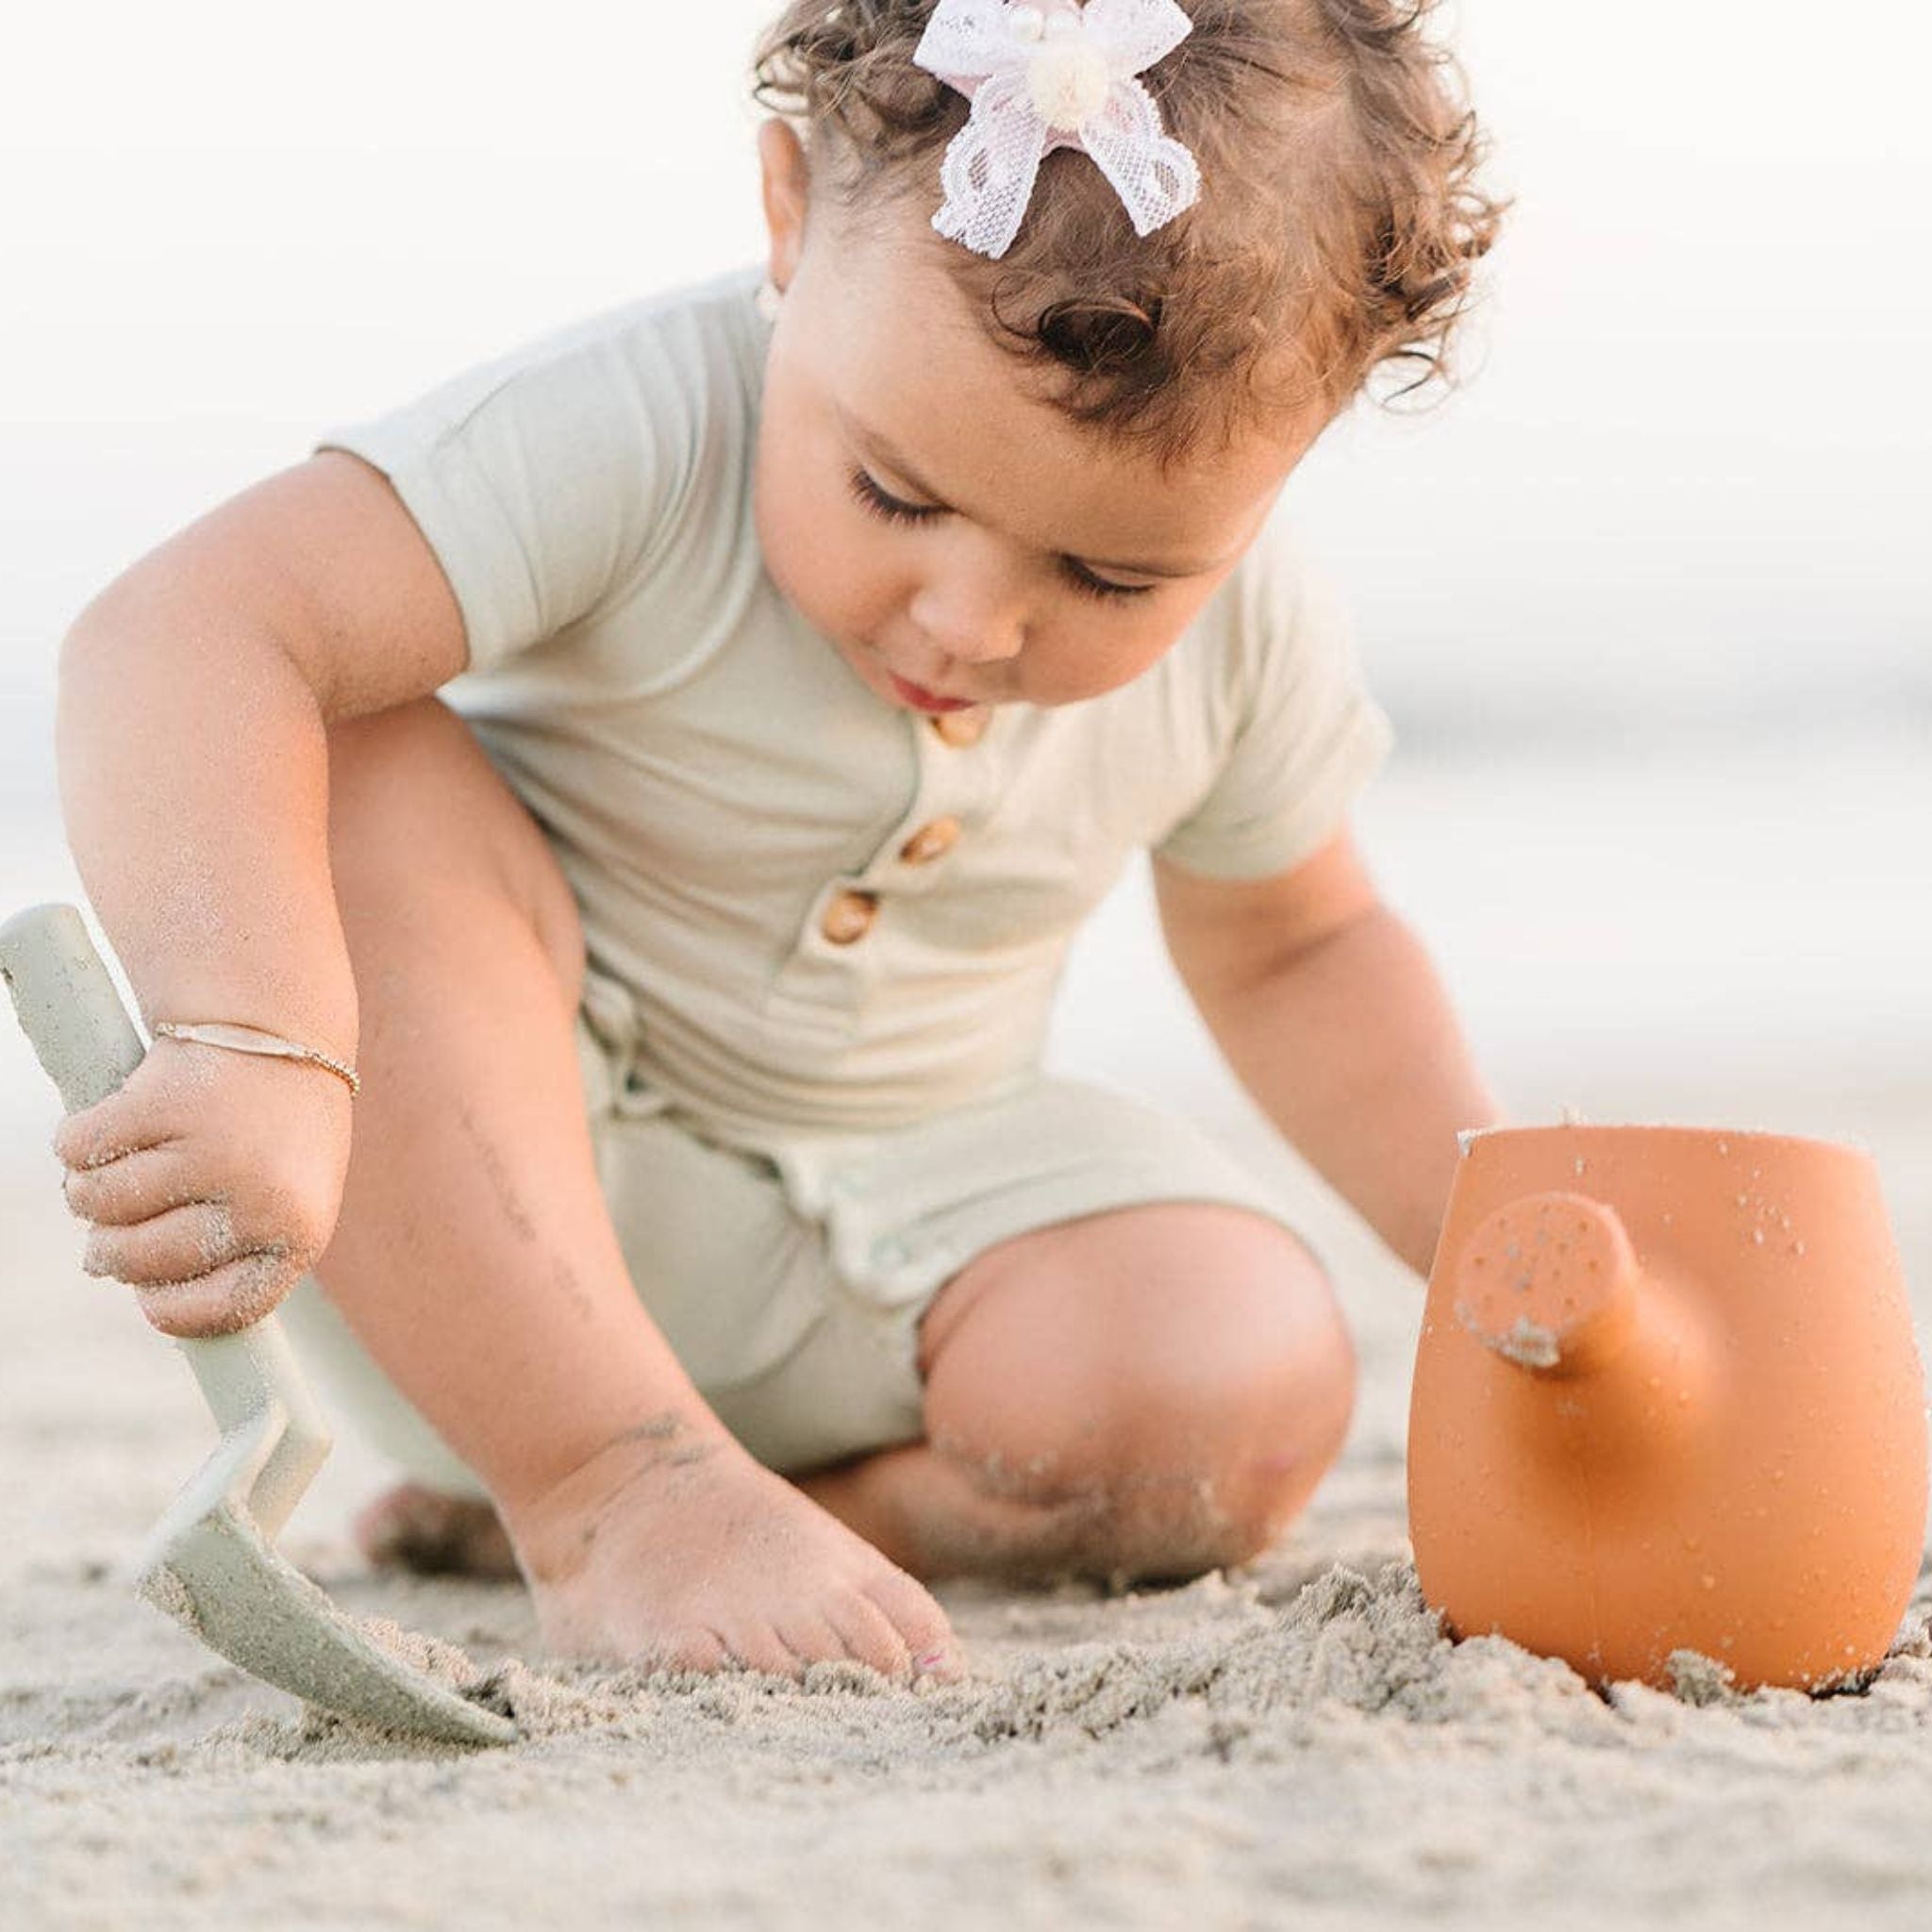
{"x":475,"y":1258}
{"x":1151,"y":1392}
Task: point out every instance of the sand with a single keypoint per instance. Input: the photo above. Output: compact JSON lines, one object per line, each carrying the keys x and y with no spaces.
{"x":1296,"y":1741}
{"x":1294,"y":1745}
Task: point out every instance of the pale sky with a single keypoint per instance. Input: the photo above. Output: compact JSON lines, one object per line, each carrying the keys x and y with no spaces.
{"x":1689,"y":471}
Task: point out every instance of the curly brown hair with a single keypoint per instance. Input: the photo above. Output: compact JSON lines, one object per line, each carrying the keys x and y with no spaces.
{"x":1338,"y":224}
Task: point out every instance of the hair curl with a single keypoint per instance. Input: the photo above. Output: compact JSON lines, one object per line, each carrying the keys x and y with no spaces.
{"x":1337,"y":230}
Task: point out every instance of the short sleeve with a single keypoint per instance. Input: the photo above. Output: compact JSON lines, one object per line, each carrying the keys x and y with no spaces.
{"x":540,"y":480}
{"x":1305,"y":736}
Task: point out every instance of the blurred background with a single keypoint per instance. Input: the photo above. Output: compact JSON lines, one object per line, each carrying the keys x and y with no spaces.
{"x":1649,"y":601}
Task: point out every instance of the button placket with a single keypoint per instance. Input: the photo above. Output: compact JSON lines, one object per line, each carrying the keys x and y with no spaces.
{"x":956,"y":785}
{"x":852,"y":919}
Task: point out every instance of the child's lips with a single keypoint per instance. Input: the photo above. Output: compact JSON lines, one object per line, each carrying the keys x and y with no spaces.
{"x":927,"y":700}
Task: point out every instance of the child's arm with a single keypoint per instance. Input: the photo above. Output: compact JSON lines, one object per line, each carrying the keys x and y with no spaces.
{"x":196,"y":693}
{"x":193,"y":694}
{"x":1330,"y":1010}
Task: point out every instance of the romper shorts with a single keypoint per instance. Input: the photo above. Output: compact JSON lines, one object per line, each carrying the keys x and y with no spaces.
{"x":788,"y":1270}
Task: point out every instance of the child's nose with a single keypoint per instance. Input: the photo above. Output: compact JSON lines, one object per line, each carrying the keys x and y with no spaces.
{"x":968,"y":625}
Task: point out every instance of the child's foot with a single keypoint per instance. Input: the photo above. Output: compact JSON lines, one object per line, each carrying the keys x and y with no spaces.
{"x":673,"y":1548}
{"x":417,"y":1528}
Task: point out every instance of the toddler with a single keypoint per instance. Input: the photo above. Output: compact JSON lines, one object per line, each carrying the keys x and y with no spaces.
{"x":649,"y":784}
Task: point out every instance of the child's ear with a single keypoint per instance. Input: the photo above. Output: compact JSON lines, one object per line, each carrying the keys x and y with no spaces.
{"x":787,"y":189}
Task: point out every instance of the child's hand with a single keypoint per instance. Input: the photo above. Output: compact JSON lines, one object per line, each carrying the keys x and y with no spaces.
{"x":212,"y":1180}
{"x":675,"y":1548}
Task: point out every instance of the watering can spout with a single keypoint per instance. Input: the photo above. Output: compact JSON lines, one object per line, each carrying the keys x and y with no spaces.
{"x":1614,"y":1366}
{"x":1551,"y":1283}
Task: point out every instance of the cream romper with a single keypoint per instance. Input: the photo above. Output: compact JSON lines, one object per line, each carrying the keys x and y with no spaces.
{"x":824,"y":933}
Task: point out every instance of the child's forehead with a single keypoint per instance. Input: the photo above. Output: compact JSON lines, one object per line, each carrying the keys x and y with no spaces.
{"x":906,"y":369}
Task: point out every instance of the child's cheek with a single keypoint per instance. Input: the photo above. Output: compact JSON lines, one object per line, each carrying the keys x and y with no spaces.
{"x":783,"y":515}
{"x":813,"y":557}
{"x":1079,"y":658}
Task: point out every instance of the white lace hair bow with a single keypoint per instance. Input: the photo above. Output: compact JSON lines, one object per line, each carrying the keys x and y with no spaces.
{"x":1054,"y":75}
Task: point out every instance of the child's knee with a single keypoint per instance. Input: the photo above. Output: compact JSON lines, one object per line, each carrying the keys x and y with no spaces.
{"x":1205,"y":1469}
{"x":1183,"y":1432}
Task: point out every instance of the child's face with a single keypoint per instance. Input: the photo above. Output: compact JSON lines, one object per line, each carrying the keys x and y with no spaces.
{"x":953,"y":535}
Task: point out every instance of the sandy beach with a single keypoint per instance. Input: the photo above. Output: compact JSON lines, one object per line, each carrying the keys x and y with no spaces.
{"x":1295,"y":1743}
{"x":1645,"y":606}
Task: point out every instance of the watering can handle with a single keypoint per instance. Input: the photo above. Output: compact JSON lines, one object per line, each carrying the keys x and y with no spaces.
{"x":73,"y":1015}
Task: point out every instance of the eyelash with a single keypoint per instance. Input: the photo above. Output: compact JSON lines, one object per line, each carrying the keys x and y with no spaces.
{"x":890,"y":510}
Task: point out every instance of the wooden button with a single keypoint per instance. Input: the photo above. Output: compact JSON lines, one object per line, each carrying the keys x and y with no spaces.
{"x":849,"y":917}
{"x":931,"y":841}
{"x":962,"y":728}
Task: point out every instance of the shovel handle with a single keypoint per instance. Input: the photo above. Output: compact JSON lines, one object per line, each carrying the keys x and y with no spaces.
{"x":74,"y":1017}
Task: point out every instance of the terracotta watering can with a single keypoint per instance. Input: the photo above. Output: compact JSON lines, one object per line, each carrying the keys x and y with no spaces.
{"x":1667,"y":1396}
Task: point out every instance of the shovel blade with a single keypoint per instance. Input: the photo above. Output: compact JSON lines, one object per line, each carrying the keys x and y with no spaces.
{"x":221,"y":1581}
{"x":210,"y":1566}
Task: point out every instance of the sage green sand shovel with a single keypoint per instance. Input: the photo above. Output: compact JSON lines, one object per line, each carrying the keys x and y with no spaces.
{"x":210,"y":1563}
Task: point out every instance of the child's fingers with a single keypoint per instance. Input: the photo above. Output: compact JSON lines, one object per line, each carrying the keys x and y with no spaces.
{"x":129,"y":1119}
{"x":99,"y":1142}
{"x":918,"y":1621}
{"x":182,"y":1243}
{"x":231,"y":1297}
{"x":144,"y":1182}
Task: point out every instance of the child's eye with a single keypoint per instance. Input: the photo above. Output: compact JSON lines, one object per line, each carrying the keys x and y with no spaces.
{"x":1089,"y":585}
{"x":882,"y":504}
